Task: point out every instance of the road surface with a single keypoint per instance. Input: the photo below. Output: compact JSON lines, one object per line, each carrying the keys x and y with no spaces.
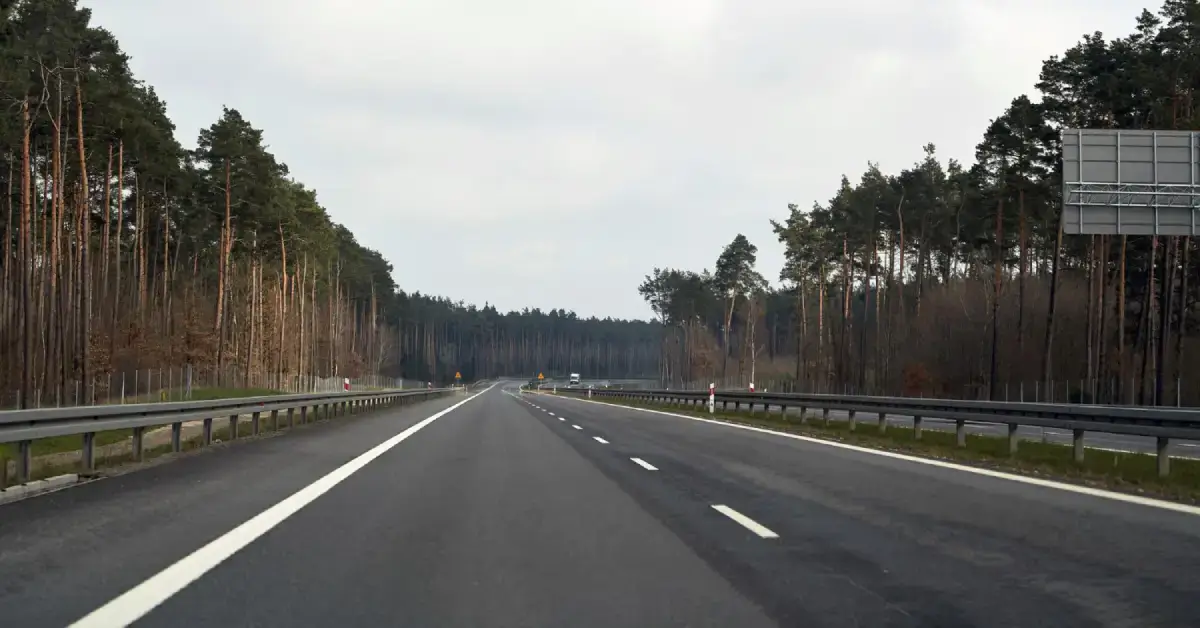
{"x":544,"y":511}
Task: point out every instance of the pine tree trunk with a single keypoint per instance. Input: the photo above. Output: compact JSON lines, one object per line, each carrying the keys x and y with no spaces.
{"x":55,"y":328}
{"x":116,"y":293}
{"x":1148,"y":321}
{"x":1024,"y":269}
{"x":999,"y":253}
{"x":1121,"y":332}
{"x":1089,"y":333}
{"x":85,"y":285}
{"x":222,"y":271}
{"x":107,"y":222}
{"x":1184,"y":308}
{"x":1170,"y":263}
{"x":26,"y":260}
{"x":822,"y":368}
{"x":1048,"y":348}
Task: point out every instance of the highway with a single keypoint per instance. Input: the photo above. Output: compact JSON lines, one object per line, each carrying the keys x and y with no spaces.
{"x":532,"y":510}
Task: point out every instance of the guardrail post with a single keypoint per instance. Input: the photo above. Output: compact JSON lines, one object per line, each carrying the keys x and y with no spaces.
{"x":783,"y":412}
{"x":207,"y":432}
{"x":291,"y":418}
{"x":882,"y":422}
{"x":1164,"y":459}
{"x":1077,"y":444}
{"x":852,"y":421}
{"x":176,"y":436}
{"x":917,"y":427}
{"x":24,"y":460}
{"x":139,"y":438}
{"x":88,"y":460}
{"x":254,"y":424}
{"x":1012,"y":438}
{"x":275,"y":419}
{"x":825,"y":416}
{"x":233,"y":427}
{"x":960,"y":432}
{"x":803,"y":415}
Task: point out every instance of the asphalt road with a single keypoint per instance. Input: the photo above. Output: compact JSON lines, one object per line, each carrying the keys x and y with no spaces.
{"x":548,"y":511}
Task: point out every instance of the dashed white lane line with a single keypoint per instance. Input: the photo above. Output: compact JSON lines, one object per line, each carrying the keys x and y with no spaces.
{"x":562,"y":418}
{"x":551,"y":414}
{"x":746,"y":522}
{"x":600,"y":440}
{"x":645,"y":465}
{"x":1187,"y":509}
{"x":577,"y":427}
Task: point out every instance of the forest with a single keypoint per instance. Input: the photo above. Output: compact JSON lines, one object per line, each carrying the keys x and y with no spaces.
{"x":123,"y":251}
{"x":955,"y":280}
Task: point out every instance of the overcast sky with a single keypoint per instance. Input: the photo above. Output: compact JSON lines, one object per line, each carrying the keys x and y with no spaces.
{"x":550,"y":153}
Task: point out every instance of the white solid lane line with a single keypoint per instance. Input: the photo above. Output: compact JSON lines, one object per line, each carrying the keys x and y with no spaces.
{"x":645,"y":465}
{"x":577,"y":427}
{"x":136,"y":602}
{"x":600,"y":440}
{"x":746,"y":522}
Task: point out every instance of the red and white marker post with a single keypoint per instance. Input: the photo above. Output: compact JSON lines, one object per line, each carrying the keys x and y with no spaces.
{"x":712,"y":398}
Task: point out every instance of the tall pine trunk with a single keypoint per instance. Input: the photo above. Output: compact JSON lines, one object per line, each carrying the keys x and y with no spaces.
{"x":26,"y":250}
{"x":85,"y":285}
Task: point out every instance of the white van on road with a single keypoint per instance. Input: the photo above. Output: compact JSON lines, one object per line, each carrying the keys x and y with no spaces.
{"x":574,"y":379}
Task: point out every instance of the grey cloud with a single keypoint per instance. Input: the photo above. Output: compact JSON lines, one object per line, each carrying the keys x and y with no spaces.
{"x":548,"y":154}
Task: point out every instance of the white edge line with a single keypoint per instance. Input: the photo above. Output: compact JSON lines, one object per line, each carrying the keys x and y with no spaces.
{"x":746,"y":522}
{"x":1062,"y":486}
{"x":143,"y":598}
{"x":645,"y":465}
{"x":600,"y":440}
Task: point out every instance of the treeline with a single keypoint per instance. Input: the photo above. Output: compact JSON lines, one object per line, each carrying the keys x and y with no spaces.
{"x":955,"y":280}
{"x":124,"y":251}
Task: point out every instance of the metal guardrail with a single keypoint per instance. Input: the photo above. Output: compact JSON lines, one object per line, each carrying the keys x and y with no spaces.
{"x":25,"y":426}
{"x":1162,"y":424}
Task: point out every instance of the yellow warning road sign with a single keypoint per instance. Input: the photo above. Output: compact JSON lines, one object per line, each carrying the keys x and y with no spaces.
{"x":540,"y":376}
{"x":457,"y":375}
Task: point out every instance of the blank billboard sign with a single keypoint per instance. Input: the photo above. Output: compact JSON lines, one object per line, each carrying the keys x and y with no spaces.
{"x":1130,"y":182}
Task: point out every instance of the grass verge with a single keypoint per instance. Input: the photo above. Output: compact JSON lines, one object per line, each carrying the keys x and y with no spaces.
{"x":1126,"y":472}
